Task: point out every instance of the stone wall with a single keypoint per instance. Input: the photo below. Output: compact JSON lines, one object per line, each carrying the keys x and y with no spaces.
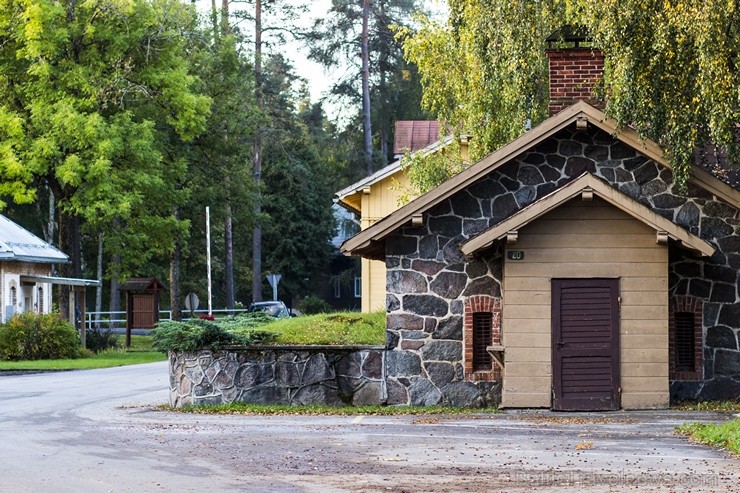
{"x":429,"y":280}
{"x":278,"y":375}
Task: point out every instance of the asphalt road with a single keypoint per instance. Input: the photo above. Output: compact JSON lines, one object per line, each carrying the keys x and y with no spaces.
{"x":97,"y":431}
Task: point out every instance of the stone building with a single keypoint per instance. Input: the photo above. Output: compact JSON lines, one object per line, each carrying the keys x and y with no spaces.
{"x":564,"y":271}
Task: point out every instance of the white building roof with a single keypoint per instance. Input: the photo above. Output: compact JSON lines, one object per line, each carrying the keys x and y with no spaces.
{"x":17,"y":243}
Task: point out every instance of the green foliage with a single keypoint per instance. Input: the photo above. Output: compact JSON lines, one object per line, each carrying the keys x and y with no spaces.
{"x":198,"y":334}
{"x":725,"y":435}
{"x":731,"y":406}
{"x":32,"y":336}
{"x":98,"y":340}
{"x":426,"y":171}
{"x":91,"y":91}
{"x":341,"y":328}
{"x":311,"y":305}
{"x":670,"y":69}
{"x":244,"y":408}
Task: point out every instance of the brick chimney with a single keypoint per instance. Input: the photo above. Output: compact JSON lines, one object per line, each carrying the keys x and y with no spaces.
{"x":574,"y":69}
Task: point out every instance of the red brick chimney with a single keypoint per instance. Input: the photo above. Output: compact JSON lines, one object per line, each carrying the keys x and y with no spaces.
{"x":574,"y":69}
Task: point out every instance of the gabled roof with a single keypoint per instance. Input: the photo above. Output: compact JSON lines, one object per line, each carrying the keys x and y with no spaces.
{"x":19,"y":244}
{"x":138,"y":284}
{"x":370,"y":242}
{"x":593,"y":186}
{"x":383,"y":173}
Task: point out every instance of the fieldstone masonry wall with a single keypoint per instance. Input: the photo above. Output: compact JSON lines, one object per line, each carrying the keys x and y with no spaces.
{"x":429,"y":280}
{"x":272,"y":375}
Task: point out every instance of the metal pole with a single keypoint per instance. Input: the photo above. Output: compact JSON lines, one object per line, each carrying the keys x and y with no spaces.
{"x":208,"y":254}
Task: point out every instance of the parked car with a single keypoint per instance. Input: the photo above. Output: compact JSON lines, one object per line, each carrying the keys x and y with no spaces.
{"x":275,"y":309}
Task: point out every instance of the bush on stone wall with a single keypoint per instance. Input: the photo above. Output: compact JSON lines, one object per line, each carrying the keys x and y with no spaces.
{"x":204,"y":334}
{"x":33,"y":336}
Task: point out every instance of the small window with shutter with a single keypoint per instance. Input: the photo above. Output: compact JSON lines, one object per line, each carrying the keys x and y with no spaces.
{"x":685,"y":349}
{"x":482,"y":338}
{"x":685,"y":338}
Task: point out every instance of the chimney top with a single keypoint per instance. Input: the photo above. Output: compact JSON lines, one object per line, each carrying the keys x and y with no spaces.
{"x":569,"y":34}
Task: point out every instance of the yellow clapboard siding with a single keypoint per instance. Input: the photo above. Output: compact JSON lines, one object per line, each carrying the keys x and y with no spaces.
{"x":587,"y":241}
{"x":590,"y":255}
{"x":641,"y":355}
{"x":644,"y":370}
{"x":645,"y":400}
{"x":586,"y":269}
{"x":532,"y":383}
{"x":528,"y":298}
{"x":656,"y":383}
{"x":625,"y":225}
{"x":644,"y":312}
{"x":605,"y":240}
{"x":533,"y":368}
{"x":643,"y":327}
{"x":643,"y":284}
{"x":533,"y":354}
{"x":640,"y":298}
{"x":528,"y":339}
{"x":526,"y":312}
{"x":521,"y":399}
{"x":640,"y":341}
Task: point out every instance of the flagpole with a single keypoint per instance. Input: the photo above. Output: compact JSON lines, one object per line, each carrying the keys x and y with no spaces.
{"x":208,"y":255}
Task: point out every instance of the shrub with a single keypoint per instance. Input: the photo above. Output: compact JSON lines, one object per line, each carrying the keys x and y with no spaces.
{"x":99,"y":340}
{"x":197,"y":334}
{"x":311,"y":305}
{"x":32,"y":336}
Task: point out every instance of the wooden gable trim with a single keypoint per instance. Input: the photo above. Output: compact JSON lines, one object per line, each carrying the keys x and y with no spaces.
{"x":366,"y":243}
{"x":592,"y":186}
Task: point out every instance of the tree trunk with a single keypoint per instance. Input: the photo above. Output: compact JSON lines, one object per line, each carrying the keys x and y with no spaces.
{"x":99,"y":287}
{"x":175,"y":295}
{"x":115,"y":294}
{"x":229,"y":260}
{"x":257,"y":165}
{"x":69,"y":242}
{"x":365,"y":53}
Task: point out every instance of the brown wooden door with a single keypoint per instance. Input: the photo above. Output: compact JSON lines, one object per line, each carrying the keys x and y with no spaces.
{"x":585,"y":344}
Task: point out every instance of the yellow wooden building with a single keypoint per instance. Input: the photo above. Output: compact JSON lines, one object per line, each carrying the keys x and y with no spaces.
{"x":373,"y":198}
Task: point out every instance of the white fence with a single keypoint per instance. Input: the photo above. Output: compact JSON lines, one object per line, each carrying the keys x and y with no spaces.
{"x":117,"y":320}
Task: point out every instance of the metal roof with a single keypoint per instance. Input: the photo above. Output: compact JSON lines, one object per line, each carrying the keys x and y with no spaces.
{"x":66,"y":281}
{"x":17,"y":243}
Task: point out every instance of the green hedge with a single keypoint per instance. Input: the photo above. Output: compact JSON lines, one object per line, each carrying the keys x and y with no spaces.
{"x":198,"y":334}
{"x":33,"y":336}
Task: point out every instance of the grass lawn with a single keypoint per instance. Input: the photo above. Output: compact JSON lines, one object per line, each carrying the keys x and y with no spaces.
{"x":317,"y":410}
{"x":344,"y":328}
{"x":140,"y":352}
{"x":725,"y":436}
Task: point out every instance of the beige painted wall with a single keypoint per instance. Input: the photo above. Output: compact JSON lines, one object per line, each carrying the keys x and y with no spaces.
{"x":582,"y":240}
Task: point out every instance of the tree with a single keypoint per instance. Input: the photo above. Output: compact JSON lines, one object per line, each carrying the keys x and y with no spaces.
{"x":670,"y":68}
{"x":298,"y":222}
{"x":87,"y":90}
{"x":358,"y":36}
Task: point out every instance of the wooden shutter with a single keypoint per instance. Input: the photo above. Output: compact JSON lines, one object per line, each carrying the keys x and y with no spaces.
{"x":685,"y":350}
{"x":482,"y":338}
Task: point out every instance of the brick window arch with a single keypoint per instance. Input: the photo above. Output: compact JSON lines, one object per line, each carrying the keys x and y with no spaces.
{"x":481,"y":328}
{"x":685,"y":338}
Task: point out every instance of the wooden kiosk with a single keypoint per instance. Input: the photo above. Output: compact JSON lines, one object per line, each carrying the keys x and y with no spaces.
{"x":142,"y":303}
